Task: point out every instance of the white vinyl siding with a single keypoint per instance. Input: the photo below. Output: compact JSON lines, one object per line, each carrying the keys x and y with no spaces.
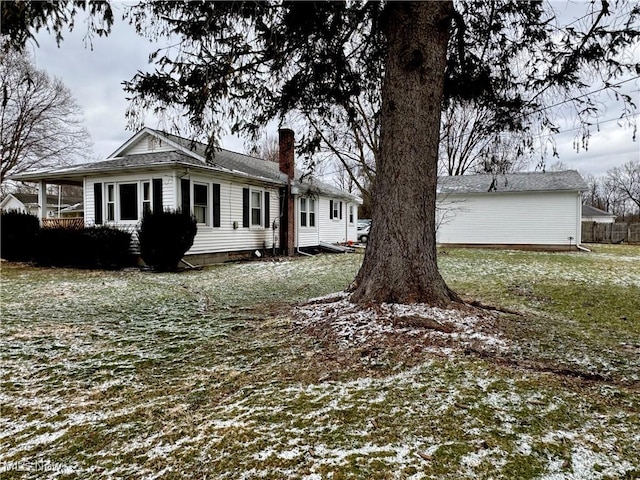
{"x":209,"y":239}
{"x":306,"y":228}
{"x":147,"y":144}
{"x":231,"y":236}
{"x":540,"y":218}
{"x":335,"y":230}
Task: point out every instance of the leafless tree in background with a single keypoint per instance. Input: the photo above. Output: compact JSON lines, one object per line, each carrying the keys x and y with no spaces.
{"x":617,"y":192}
{"x":40,"y":122}
{"x":470,"y":142}
{"x":266,"y":149}
{"x":626,"y":181}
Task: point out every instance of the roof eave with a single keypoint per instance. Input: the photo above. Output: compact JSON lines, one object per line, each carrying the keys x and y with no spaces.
{"x":78,"y":175}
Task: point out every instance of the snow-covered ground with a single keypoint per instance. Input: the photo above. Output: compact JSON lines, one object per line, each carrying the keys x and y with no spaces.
{"x":213,"y":374}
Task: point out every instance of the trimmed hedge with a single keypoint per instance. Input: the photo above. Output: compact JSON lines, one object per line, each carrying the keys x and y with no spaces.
{"x":23,"y":240}
{"x":19,"y":233}
{"x":93,"y":247}
{"x":165,"y":237}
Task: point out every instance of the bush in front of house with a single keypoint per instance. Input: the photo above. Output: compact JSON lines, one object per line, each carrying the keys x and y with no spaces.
{"x":19,"y":233}
{"x":92,"y":247}
{"x":165,"y":237}
{"x":107,"y":247}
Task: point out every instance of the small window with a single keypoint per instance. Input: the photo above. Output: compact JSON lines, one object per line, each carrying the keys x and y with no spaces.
{"x":146,"y":197}
{"x":256,"y":208}
{"x":128,"y":201}
{"x":351,"y":214}
{"x":303,"y":212}
{"x":111,"y":202}
{"x":337,"y":210}
{"x":200,"y":203}
{"x":312,"y":212}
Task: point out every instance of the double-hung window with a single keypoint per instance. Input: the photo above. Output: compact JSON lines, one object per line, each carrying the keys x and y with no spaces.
{"x":303,"y":212}
{"x":256,"y":208}
{"x":335,"y":210}
{"x":201,"y":202}
{"x":307,"y":212}
{"x":351,"y":215}
{"x":111,"y":202}
{"x":146,"y":197}
{"x":312,"y":212}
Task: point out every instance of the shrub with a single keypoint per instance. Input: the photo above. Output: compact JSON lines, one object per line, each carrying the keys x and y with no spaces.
{"x":19,"y":232}
{"x":107,"y":247}
{"x":165,"y":237}
{"x":93,"y":247}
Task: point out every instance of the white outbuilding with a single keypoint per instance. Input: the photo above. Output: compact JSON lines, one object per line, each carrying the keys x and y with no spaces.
{"x":532,"y":210}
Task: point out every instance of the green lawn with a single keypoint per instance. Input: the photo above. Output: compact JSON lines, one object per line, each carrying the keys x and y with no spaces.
{"x":219,"y":374}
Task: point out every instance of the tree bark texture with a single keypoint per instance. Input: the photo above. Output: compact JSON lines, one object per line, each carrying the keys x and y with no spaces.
{"x":400,"y":263}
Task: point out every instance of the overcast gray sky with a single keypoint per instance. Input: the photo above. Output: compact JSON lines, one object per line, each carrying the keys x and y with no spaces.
{"x":95,"y":78}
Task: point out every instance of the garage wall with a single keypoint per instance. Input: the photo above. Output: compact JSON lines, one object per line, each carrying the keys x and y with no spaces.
{"x":540,"y":218}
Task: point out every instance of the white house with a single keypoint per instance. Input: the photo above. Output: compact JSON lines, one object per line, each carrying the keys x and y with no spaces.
{"x":593,"y":214}
{"x":241,"y":203}
{"x":55,"y":206}
{"x":520,"y":210}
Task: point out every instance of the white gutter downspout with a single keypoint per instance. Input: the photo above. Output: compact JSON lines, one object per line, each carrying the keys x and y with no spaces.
{"x":346,"y":223}
{"x":579,"y":229}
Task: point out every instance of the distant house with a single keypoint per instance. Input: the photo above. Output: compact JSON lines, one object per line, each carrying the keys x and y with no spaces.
{"x":593,"y":214}
{"x":241,"y":203}
{"x":520,"y":210}
{"x":56,"y":207}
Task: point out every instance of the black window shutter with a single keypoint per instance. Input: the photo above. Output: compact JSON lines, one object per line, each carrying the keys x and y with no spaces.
{"x":245,"y":207}
{"x":267,"y":206}
{"x":216,"y":204}
{"x":330,"y":209}
{"x":157,"y":195}
{"x":340,"y":210}
{"x":97,"y":199}
{"x":185,"y":196}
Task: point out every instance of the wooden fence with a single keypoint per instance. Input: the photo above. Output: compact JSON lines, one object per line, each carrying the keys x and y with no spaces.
{"x":593,"y":232}
{"x":76,"y":223}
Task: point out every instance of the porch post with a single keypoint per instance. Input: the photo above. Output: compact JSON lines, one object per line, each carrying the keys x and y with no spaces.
{"x":42,"y":200}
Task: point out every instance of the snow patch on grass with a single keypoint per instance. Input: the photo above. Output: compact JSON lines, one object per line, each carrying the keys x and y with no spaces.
{"x":355,"y":326}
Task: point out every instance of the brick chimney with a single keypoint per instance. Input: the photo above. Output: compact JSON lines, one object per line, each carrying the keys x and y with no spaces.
{"x":286,"y":160}
{"x":285,"y":152}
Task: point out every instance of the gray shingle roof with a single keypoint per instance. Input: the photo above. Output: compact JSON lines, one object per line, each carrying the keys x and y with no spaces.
{"x":569,"y":180}
{"x":224,"y":160}
{"x":589,"y":211}
{"x":256,"y":167}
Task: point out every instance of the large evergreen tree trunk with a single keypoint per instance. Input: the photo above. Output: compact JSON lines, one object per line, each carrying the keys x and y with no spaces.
{"x":400,"y":264}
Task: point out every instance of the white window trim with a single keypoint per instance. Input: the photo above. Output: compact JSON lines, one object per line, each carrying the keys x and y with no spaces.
{"x":148,"y":200}
{"x":351,"y":213}
{"x":108,"y":202}
{"x":336,"y":210}
{"x":208,"y":207}
{"x":303,"y":211}
{"x":311,"y":212}
{"x":260,"y":225}
{"x":117,"y":201}
{"x":312,"y":207}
